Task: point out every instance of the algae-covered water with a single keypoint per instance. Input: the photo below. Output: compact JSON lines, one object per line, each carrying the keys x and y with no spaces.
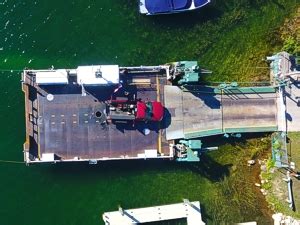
{"x":228,"y":37}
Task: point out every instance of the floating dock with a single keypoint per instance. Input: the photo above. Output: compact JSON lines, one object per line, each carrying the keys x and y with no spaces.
{"x":189,"y":210}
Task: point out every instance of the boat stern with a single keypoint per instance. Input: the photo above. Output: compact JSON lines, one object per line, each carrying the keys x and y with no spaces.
{"x":199,"y":3}
{"x":142,"y":7}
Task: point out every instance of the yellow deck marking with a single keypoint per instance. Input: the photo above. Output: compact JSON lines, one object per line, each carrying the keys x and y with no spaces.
{"x":222,"y":110}
{"x":38,"y":130}
{"x":158,"y":99}
{"x":26,"y":113}
{"x":26,"y":145}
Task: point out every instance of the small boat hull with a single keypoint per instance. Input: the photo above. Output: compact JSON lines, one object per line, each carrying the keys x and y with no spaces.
{"x":150,"y":7}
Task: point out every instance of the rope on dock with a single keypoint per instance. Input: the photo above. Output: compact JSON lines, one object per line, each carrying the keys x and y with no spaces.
{"x":9,"y":161}
{"x":10,"y":70}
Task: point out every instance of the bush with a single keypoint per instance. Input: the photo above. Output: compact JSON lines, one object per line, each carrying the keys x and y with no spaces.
{"x":291,"y":45}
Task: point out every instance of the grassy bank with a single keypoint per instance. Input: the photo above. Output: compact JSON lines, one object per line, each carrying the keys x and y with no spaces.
{"x":288,"y":36}
{"x":235,"y":192}
{"x":277,"y":188}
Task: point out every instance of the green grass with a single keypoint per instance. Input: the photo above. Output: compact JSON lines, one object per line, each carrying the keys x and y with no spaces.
{"x":277,"y":187}
{"x":234,"y":191}
{"x":290,"y":34}
{"x":294,"y":146}
{"x":294,"y":152}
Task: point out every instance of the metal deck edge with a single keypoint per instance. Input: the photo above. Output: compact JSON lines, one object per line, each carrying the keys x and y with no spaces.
{"x":26,"y":145}
{"x":206,"y":133}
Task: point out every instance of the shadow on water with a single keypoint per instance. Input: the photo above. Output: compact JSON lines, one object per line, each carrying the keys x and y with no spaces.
{"x":212,"y":141}
{"x":210,"y":169}
{"x":205,"y":215}
{"x":108,"y":171}
{"x":187,"y":19}
{"x":207,"y":167}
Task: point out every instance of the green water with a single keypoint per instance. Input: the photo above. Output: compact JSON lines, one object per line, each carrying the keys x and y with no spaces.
{"x":229,"y":38}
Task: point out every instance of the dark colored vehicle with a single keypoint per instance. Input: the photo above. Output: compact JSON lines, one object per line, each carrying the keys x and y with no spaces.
{"x":154,"y":7}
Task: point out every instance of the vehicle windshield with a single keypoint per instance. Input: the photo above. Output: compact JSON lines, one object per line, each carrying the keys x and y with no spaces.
{"x":160,"y":6}
{"x":181,"y":4}
{"x":149,"y":111}
{"x":199,"y":3}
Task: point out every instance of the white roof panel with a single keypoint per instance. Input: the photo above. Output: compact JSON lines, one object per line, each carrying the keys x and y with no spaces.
{"x":98,"y":75}
{"x":52,"y":77}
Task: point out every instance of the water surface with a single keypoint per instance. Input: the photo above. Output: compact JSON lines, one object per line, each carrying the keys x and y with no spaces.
{"x":42,"y":33}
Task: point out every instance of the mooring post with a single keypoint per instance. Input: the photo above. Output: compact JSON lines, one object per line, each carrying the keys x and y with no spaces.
{"x":121,"y":210}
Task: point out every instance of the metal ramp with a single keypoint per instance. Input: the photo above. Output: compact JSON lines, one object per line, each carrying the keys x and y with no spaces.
{"x":206,"y":111}
{"x":192,"y":112}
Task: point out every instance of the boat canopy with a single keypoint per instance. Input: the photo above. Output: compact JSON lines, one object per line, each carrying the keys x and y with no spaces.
{"x":160,"y":6}
{"x":98,"y":75}
{"x":181,"y":4}
{"x":199,"y":3}
{"x":52,"y":77}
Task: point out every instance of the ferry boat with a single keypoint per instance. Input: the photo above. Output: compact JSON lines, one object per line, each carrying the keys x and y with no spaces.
{"x":109,"y":112}
{"x":155,"y":7}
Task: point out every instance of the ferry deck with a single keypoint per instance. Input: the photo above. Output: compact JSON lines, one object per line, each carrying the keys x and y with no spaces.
{"x":67,"y":126}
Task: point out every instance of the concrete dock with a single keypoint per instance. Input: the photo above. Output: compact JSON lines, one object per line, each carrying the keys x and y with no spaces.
{"x":285,"y":70}
{"x":189,"y":210}
{"x":293,"y":106}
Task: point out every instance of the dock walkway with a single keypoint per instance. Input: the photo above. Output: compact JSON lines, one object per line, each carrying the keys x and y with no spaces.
{"x":285,"y":73}
{"x":284,"y":69}
{"x":189,"y":210}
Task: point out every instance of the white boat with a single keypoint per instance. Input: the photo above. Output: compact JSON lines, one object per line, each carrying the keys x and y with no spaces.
{"x":156,"y":7}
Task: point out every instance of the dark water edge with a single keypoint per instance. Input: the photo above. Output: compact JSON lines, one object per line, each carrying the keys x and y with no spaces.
{"x":229,"y":38}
